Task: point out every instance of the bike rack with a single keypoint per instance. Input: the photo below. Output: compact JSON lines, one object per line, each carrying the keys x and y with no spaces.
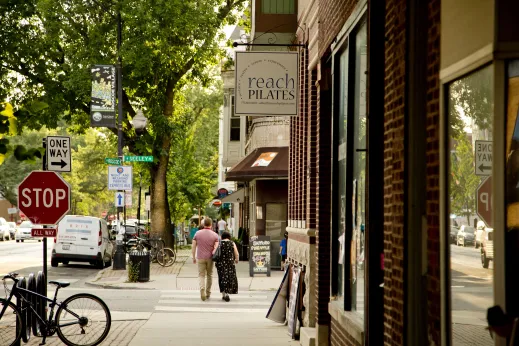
{"x":30,"y":324}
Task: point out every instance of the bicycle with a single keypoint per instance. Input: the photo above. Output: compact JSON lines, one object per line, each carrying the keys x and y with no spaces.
{"x":80,"y":317}
{"x":163,"y":255}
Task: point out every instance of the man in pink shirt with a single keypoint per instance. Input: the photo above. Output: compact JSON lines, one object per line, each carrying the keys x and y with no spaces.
{"x":205,"y":243}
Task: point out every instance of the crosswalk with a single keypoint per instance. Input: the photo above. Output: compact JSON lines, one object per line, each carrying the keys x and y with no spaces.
{"x":189,"y":301}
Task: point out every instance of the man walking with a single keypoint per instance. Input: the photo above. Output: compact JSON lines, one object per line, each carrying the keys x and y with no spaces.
{"x":222,"y":226}
{"x":205,"y":243}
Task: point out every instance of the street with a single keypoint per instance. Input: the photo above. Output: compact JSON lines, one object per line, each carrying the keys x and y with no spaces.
{"x":472,"y":295}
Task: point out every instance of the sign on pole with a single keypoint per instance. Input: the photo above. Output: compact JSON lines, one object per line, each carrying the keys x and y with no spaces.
{"x":266,"y":83}
{"x":102,"y":105}
{"x":44,"y":232}
{"x":138,"y":158}
{"x":12,"y":210}
{"x":44,"y":197}
{"x":483,"y":158}
{"x":128,"y":198}
{"x":113,"y":161}
{"x":147,"y":203}
{"x":120,"y":178}
{"x":484,"y":201}
{"x":59,"y":158}
{"x":119,"y":199}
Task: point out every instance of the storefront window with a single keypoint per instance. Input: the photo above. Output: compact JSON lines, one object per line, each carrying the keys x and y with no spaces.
{"x":470,"y":194}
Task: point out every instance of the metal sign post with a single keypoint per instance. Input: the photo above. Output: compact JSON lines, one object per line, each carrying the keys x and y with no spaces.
{"x":45,"y":274}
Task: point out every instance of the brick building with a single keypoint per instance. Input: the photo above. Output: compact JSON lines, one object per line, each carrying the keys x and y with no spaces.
{"x":395,"y":96}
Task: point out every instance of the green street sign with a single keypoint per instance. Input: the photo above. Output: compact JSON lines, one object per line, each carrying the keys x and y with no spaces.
{"x":138,"y":158}
{"x":113,"y":161}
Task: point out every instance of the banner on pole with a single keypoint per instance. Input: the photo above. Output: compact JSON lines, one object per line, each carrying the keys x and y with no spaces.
{"x":102,"y":105}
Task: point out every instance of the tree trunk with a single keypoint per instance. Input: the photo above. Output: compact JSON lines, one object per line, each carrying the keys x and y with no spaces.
{"x":160,"y":214}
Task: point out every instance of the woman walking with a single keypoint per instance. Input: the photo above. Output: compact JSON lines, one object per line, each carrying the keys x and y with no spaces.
{"x":226,"y":270}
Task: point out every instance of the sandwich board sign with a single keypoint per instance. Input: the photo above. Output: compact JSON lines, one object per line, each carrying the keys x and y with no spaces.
{"x":58,"y":154}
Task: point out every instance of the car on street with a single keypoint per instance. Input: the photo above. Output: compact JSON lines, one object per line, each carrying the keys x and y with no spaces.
{"x":23,"y":232}
{"x":487,"y":247}
{"x":453,"y":235}
{"x":12,"y":229}
{"x":480,"y":229}
{"x":4,"y":230}
{"x":82,"y":239}
{"x":466,"y":236}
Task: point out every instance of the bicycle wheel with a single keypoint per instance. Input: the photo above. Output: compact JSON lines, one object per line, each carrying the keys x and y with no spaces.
{"x":83,"y":320}
{"x":166,"y":257}
{"x":10,"y":324}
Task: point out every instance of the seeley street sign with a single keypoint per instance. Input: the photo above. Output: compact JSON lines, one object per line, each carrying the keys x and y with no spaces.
{"x":58,"y":154}
{"x":138,"y":158}
{"x":483,"y":158}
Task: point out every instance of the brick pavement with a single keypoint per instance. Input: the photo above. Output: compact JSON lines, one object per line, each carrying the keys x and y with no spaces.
{"x":470,"y":335}
{"x":121,"y":334}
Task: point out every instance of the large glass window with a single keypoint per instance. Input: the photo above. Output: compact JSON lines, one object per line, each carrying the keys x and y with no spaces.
{"x":470,"y":231}
{"x":350,"y":171}
{"x":235,"y":123}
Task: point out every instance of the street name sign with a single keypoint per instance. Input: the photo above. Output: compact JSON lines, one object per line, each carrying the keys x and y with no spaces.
{"x":113,"y":161}
{"x":12,"y":210}
{"x":138,"y":158}
{"x":484,"y":201}
{"x":44,"y":232}
{"x":483,"y":158}
{"x":58,"y":154}
{"x":44,"y":197}
{"x":120,"y":178}
{"x":119,"y":199}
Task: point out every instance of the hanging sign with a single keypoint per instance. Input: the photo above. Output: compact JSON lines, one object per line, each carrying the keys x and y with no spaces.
{"x":259,"y":259}
{"x":102,"y":105}
{"x":266,"y":83}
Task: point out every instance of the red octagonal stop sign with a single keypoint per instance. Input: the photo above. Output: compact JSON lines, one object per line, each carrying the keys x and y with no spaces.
{"x":44,"y":197}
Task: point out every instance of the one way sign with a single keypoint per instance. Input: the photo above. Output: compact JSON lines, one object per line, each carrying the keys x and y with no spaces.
{"x":483,"y":158}
{"x":58,"y":154}
{"x":119,"y":199}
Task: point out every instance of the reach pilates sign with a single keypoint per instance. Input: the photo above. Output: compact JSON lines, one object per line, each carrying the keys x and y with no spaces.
{"x":266,"y":83}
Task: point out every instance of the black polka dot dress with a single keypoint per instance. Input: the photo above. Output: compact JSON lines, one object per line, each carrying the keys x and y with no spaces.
{"x":226,"y":270}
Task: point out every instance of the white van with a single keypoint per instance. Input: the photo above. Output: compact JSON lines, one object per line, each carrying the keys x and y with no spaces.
{"x":82,"y":239}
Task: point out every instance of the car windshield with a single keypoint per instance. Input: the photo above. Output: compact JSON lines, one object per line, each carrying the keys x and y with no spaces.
{"x":26,"y":224}
{"x":469,"y":229}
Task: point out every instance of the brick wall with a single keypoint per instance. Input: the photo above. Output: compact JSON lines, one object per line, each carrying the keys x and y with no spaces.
{"x":323,"y":193}
{"x":311,"y":151}
{"x":332,"y":16}
{"x":394,"y":152}
{"x":433,"y":175}
{"x":340,"y":338}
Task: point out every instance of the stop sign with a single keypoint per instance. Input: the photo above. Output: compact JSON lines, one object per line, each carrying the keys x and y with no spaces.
{"x":44,"y":197}
{"x":484,"y":201}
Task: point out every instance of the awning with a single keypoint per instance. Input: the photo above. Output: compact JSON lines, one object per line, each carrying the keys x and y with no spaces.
{"x":267,"y":162}
{"x":237,"y":196}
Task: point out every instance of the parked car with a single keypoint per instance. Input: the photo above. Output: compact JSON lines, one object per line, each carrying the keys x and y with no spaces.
{"x":12,"y":228}
{"x":23,"y":232}
{"x":480,"y":229}
{"x":466,"y":236}
{"x":4,"y":230}
{"x":487,"y":247}
{"x":82,"y":239}
{"x":453,"y":235}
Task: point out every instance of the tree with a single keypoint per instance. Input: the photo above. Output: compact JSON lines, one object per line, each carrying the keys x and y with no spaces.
{"x":464,"y":182}
{"x":48,"y":46}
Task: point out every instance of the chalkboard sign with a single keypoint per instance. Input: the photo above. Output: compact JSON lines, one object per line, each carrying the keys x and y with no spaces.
{"x":259,"y":260}
{"x":293,"y":301}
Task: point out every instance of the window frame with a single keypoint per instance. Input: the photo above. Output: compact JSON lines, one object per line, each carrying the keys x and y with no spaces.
{"x":346,"y":45}
{"x":233,"y":116}
{"x":291,"y":6}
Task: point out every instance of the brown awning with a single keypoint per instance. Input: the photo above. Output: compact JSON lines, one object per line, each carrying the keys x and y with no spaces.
{"x":267,"y":162}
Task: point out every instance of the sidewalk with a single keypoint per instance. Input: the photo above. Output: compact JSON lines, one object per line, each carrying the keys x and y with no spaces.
{"x":183,"y":275}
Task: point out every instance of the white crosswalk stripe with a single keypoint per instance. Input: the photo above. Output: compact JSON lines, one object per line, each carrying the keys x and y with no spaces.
{"x":189,"y":301}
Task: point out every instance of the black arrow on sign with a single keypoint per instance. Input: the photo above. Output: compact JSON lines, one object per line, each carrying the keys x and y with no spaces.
{"x":484,"y":168}
{"x":62,"y":163}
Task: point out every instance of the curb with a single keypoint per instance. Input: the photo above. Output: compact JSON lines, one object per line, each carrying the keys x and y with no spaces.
{"x":116,"y":287}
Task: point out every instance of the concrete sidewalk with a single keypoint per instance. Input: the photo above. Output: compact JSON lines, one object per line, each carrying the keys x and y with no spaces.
{"x":183,"y":275}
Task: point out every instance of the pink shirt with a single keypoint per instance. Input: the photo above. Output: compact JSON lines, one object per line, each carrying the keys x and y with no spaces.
{"x":205,"y":239}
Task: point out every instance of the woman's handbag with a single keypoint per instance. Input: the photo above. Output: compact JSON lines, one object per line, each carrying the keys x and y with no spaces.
{"x":218,"y":253}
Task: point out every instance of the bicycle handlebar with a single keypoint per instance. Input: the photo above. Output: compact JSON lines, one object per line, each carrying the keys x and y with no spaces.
{"x":11,"y":276}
